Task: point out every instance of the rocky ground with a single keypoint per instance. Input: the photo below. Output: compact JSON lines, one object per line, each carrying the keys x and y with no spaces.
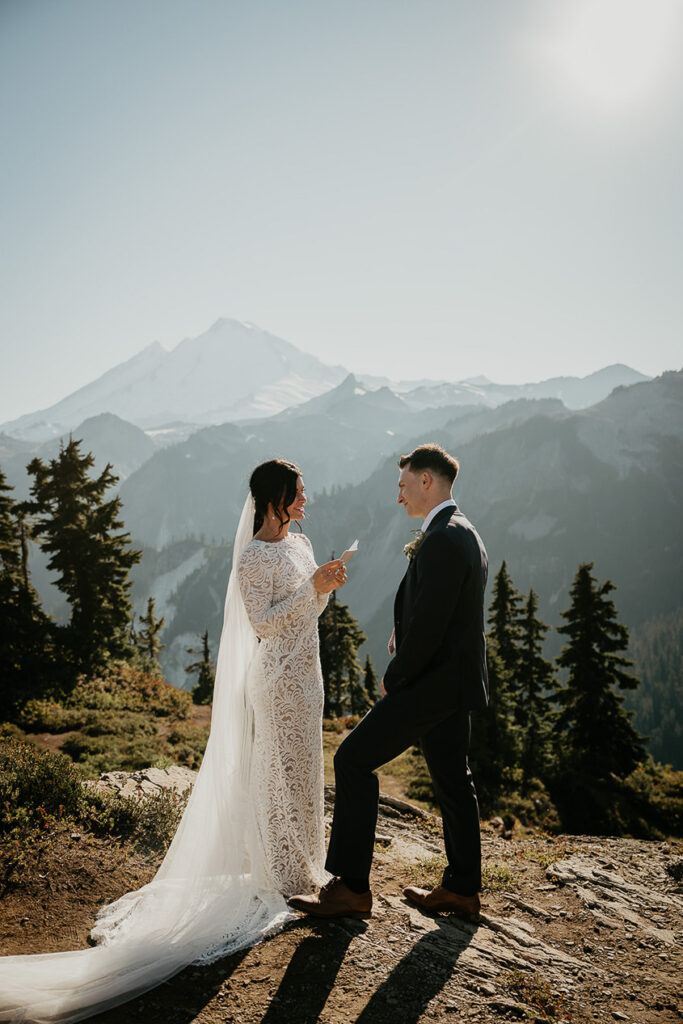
{"x":574,"y":928}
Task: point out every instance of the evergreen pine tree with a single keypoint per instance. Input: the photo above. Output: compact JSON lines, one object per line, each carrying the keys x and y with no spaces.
{"x":147,"y":639}
{"x":494,"y":748}
{"x":504,"y":631}
{"x":595,"y":732}
{"x":370,"y":681}
{"x":80,"y":528}
{"x":535,"y":679}
{"x":205,"y":670}
{"x":340,"y":637}
{"x":27,"y":660}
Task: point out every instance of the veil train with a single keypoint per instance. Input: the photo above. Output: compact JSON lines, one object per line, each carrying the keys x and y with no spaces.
{"x":211,"y":895}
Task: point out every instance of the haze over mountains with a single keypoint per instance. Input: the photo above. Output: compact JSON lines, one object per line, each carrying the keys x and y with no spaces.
{"x":236,"y":371}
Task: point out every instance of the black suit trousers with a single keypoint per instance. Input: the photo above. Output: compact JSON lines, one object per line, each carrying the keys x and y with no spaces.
{"x":395,"y":723}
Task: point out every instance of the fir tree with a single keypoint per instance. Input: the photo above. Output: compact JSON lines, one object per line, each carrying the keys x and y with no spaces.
{"x":535,"y":680}
{"x":340,"y":638}
{"x":504,"y":631}
{"x":205,"y":670}
{"x":27,"y":659}
{"x":81,"y":531}
{"x":494,"y":747}
{"x":147,"y":639}
{"x":370,"y":682}
{"x":595,"y":732}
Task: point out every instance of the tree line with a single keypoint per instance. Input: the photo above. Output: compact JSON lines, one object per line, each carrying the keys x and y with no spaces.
{"x":562,"y":725}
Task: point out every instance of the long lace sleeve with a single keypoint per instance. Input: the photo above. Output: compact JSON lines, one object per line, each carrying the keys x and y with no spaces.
{"x":322,"y":599}
{"x":256,"y":585}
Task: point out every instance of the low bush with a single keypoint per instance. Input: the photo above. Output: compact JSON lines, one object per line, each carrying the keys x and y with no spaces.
{"x":125,"y":687}
{"x":49,"y":716}
{"x":35,"y":785}
{"x":149,"y":823}
{"x":41,"y":792}
{"x":106,"y":752}
{"x":188,"y":743}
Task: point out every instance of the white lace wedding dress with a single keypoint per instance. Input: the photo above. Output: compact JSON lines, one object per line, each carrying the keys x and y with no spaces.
{"x":252,"y":832}
{"x":286,"y":690}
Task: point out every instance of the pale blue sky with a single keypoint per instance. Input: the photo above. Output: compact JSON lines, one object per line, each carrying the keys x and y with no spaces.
{"x":438,"y":188}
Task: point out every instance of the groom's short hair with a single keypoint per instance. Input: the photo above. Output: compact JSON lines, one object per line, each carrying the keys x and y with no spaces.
{"x":434,"y":459}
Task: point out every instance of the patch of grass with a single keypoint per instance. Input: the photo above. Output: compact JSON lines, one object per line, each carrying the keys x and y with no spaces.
{"x":428,"y":872}
{"x":557,"y":850}
{"x":497,"y":878}
{"x":537,"y":993}
{"x":494,"y":877}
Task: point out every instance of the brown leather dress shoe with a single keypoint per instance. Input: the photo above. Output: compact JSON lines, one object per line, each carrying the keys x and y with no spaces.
{"x":334,"y":900}
{"x":467,"y":907}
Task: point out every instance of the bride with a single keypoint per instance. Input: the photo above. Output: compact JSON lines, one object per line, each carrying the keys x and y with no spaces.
{"x":252,"y":833}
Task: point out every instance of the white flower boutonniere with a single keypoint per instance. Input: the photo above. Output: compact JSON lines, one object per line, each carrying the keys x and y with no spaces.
{"x":410,"y":550}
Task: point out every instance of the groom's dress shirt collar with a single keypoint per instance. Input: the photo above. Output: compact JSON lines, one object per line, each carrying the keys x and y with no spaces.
{"x":435,"y":511}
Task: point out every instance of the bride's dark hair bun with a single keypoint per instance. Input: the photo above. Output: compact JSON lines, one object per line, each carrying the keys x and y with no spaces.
{"x":273,"y":483}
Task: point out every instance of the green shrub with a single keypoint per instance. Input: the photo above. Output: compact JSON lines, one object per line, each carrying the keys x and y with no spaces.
{"x":648,"y":804}
{"x":149,"y":823}
{"x":35,"y":785}
{"x":127,"y":688}
{"x":10,"y":731}
{"x":125,"y":723}
{"x":113,"y":752}
{"x":188,"y":743}
{"x":49,"y":716}
{"x":41,"y":791}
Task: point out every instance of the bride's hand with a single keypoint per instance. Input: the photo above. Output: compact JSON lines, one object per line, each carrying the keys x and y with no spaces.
{"x":329,"y":576}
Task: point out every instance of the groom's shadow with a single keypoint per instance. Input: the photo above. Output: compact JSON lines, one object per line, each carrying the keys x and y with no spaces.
{"x":420,"y":976}
{"x":312,"y":971}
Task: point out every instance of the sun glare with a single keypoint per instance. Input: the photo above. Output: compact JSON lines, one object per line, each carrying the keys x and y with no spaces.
{"x":612,"y":56}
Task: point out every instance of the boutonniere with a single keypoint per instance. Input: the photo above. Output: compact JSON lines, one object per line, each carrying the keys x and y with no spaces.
{"x":410,"y":550}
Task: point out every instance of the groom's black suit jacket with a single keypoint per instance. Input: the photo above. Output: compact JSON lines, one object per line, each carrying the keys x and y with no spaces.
{"x":439,"y":617}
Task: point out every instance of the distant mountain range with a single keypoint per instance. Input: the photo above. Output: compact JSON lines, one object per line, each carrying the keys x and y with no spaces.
{"x":237,"y":372}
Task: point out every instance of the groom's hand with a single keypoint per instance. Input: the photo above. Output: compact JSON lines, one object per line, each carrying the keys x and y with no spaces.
{"x":381,"y":687}
{"x":391,"y":646}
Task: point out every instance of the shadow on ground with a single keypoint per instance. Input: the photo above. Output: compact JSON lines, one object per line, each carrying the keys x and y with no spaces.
{"x":312,"y":972}
{"x":418,"y":977}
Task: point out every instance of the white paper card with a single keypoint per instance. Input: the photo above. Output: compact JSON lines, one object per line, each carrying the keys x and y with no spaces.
{"x":349,"y":552}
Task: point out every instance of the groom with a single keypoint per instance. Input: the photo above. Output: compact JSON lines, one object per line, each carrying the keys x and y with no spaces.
{"x":438,"y":675}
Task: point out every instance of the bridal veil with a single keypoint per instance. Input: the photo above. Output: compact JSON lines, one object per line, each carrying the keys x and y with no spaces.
{"x":210,"y":896}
